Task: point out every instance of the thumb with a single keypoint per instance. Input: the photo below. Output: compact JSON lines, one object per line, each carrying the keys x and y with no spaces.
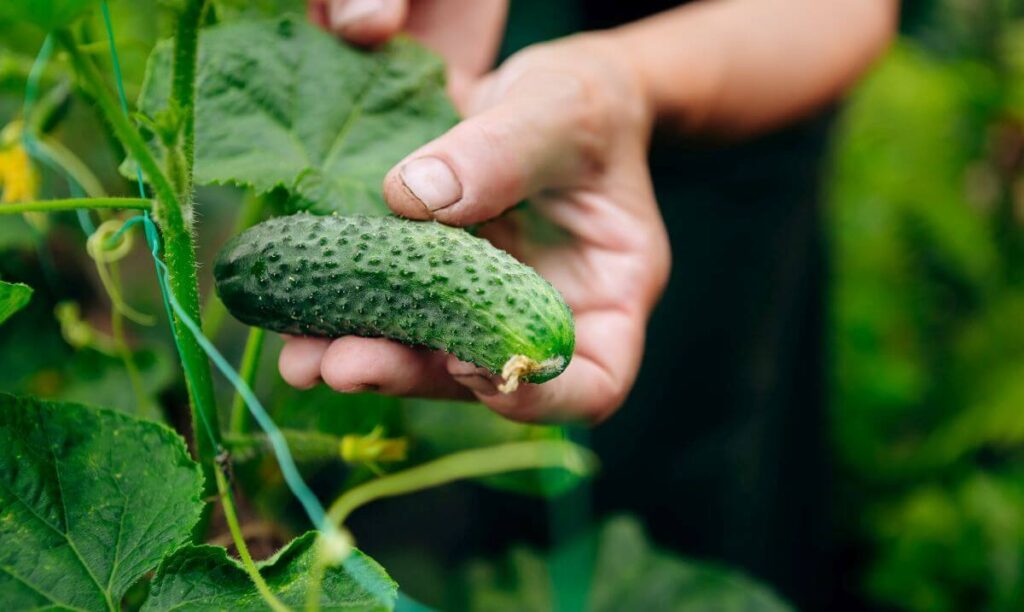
{"x":526,"y":142}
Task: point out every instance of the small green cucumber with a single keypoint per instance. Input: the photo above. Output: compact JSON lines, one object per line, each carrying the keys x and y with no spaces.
{"x":421,"y":283}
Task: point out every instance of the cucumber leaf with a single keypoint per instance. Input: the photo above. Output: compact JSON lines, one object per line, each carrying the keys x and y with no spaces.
{"x":44,"y":14}
{"x":90,"y":500}
{"x":13,"y":297}
{"x":624,"y":572}
{"x":281,"y":103}
{"x":205,"y":578}
{"x":631,"y":574}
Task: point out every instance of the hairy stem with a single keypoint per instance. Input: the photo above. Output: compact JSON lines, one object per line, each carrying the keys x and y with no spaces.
{"x":75,"y":204}
{"x":467,"y":464}
{"x":179,"y":254}
{"x":231,"y":517}
{"x":183,"y":85}
{"x":250,"y":364}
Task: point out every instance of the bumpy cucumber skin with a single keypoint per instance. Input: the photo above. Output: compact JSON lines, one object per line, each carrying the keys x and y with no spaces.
{"x":421,"y":283}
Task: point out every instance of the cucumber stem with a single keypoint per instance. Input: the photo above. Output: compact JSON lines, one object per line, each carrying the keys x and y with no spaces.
{"x":248,"y":369}
{"x":231,"y":517}
{"x":179,"y":254}
{"x":519,"y":367}
{"x":474,"y":463}
{"x":66,"y":204}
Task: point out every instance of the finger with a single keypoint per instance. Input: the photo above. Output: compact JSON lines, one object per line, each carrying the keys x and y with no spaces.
{"x":316,"y":11}
{"x":465,"y":34}
{"x":533,"y":137}
{"x":361,"y":22}
{"x":353,"y":364}
{"x":299,"y":361}
{"x":476,"y":379}
{"x":594,"y":385}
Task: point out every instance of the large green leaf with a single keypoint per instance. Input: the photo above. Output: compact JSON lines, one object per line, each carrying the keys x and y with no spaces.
{"x":627,"y":574}
{"x":45,"y":14}
{"x":283,"y":104}
{"x":13,"y":297}
{"x":205,"y":578}
{"x":630,"y":574}
{"x":90,"y":500}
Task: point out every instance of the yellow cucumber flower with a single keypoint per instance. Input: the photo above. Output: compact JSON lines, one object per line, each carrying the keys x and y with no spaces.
{"x":19,"y":180}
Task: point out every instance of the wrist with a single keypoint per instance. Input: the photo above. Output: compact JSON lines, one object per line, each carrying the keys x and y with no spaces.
{"x":680,"y":80}
{"x":617,"y":78}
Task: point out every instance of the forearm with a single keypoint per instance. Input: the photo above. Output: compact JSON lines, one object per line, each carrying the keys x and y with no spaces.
{"x":734,"y":67}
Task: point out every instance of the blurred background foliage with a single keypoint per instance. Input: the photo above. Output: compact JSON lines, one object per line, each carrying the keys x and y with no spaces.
{"x":925,"y":196}
{"x":926,"y":204}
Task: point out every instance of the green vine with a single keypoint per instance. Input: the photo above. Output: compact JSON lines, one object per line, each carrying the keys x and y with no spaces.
{"x":179,"y":254}
{"x":68,"y":204}
{"x":231,"y":517}
{"x":250,"y":365}
{"x":476,"y":463}
{"x":183,"y":85}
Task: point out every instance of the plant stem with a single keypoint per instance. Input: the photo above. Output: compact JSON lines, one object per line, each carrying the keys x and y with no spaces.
{"x":179,"y":254}
{"x":467,"y":464}
{"x":250,"y":364}
{"x":227,"y":502}
{"x":183,"y":84}
{"x":74,"y":204}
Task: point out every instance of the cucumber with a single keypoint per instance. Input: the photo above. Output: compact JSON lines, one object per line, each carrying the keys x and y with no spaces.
{"x":420,"y":283}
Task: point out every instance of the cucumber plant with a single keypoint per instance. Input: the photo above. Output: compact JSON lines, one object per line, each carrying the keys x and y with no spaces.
{"x":202,"y":118}
{"x":102,"y":504}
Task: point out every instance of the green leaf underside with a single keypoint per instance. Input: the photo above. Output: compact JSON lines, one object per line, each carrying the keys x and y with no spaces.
{"x":45,"y":14}
{"x":205,"y":578}
{"x":627,"y":574}
{"x":90,"y":500}
{"x":283,"y":104}
{"x":630,"y":574}
{"x":13,"y":297}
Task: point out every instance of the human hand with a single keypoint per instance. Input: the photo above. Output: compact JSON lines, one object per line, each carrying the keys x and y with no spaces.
{"x":566,"y":126}
{"x":465,"y":34}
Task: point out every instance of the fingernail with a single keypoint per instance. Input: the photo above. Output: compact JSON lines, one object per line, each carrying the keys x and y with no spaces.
{"x":476,"y":382}
{"x":347,"y":12}
{"x":432,"y":182}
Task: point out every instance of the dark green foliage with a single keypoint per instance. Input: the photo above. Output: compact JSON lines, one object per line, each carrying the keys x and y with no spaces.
{"x":13,"y":297}
{"x":623,"y":571}
{"x":421,"y":283}
{"x":205,"y":578}
{"x":48,"y":15}
{"x":929,"y":383}
{"x":90,"y":500}
{"x":282,"y":104}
